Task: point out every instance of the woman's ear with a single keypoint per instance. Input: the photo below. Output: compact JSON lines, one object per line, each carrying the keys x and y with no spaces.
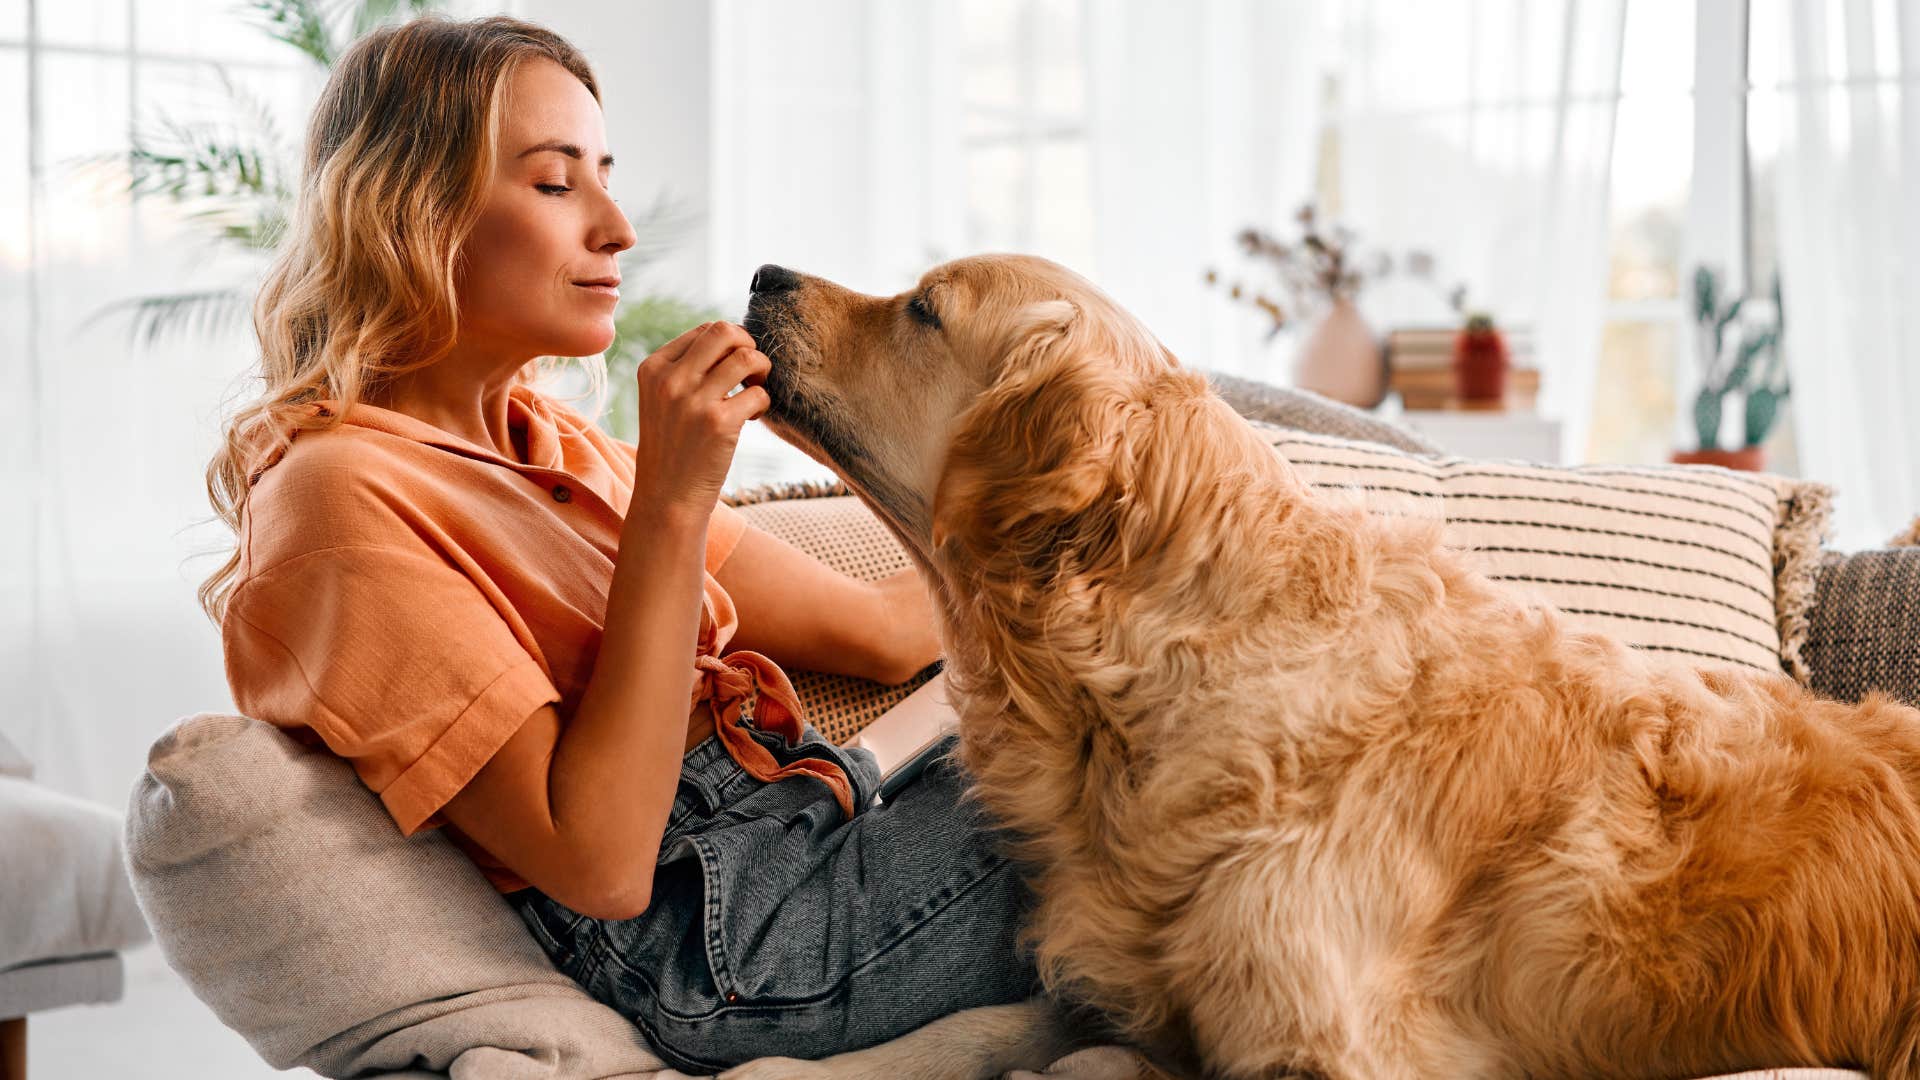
{"x":1040,"y":445}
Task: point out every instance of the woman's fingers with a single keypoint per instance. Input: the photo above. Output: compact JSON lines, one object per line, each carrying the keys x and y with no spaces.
{"x":707,"y":346}
{"x":751,"y":403}
{"x":744,"y":365}
{"x":672,"y":350}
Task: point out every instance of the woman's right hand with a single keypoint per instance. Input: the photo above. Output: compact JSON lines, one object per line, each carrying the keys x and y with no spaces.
{"x":688,"y":427}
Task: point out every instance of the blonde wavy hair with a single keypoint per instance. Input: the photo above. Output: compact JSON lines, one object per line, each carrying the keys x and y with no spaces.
{"x":399,"y":156}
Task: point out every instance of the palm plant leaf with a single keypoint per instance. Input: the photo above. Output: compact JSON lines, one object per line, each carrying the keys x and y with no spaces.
{"x":371,"y":13}
{"x":198,"y":314}
{"x":299,"y":23}
{"x":262,"y":232}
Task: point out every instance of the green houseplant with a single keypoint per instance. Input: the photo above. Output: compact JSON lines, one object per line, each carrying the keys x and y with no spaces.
{"x":237,"y":181}
{"x":1740,"y":358}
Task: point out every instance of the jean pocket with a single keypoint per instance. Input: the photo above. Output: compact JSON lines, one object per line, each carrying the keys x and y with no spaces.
{"x":668,"y":963}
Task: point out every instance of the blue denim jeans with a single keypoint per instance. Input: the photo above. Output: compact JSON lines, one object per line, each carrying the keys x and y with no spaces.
{"x":780,"y":927}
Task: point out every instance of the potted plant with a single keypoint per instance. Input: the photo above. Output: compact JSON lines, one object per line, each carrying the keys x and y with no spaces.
{"x":1737,"y":357}
{"x":1322,"y":275}
{"x":1480,"y":360}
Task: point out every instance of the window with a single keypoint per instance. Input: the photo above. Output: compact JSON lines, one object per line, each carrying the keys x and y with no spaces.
{"x":79,"y":80}
{"x":1665,"y":221}
{"x":1026,"y":154}
{"x":1647,"y":316}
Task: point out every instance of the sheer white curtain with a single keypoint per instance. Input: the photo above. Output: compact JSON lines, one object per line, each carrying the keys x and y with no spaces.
{"x":1849,"y":247}
{"x":1204,"y":120}
{"x":840,"y":132}
{"x":102,"y":643}
{"x":1482,"y":131}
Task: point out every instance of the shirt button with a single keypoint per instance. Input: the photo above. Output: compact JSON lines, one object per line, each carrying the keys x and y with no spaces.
{"x":561,"y":494}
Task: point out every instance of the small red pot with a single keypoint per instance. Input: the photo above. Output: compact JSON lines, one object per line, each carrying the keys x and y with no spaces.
{"x":1480,"y":365}
{"x":1748,"y":458}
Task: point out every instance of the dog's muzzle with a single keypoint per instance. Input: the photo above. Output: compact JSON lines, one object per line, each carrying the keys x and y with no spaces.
{"x":770,"y":320}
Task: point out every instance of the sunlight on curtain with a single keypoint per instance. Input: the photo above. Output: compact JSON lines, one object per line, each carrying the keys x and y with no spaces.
{"x":104,"y":642}
{"x":1836,"y":132}
{"x":1482,"y":131}
{"x":1204,"y":121}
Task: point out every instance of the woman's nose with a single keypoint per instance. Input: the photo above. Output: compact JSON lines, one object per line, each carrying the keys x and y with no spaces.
{"x":613,"y":231}
{"x":773,"y":279}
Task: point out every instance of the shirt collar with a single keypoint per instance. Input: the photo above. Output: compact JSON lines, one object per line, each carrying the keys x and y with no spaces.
{"x":525,"y":408}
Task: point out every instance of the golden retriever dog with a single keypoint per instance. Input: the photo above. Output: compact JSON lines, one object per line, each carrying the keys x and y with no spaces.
{"x":1303,"y":792}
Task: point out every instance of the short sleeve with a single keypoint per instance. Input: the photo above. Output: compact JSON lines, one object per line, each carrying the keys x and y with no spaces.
{"x":395,"y":659}
{"x":724,"y":531}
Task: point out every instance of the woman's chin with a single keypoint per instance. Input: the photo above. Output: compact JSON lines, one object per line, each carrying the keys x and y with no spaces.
{"x":583,"y":345}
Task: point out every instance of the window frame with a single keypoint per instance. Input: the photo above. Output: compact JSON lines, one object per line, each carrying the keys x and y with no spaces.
{"x":1026,"y":125}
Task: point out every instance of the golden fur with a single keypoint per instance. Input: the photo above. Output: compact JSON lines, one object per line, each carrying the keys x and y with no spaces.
{"x":1304,"y":793}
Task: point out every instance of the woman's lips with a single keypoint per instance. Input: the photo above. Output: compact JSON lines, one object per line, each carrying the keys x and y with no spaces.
{"x":603,"y":286}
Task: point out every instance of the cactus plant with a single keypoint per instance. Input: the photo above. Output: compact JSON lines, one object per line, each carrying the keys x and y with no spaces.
{"x":1736,"y":356}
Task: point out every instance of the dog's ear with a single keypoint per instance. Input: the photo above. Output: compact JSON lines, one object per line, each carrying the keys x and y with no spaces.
{"x":1039,"y":446}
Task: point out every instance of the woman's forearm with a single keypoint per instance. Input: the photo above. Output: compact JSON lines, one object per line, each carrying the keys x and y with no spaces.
{"x":617,"y":763}
{"x":912,"y":639}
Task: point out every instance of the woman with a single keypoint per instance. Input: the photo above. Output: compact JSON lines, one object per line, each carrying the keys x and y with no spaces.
{"x":496,"y":612}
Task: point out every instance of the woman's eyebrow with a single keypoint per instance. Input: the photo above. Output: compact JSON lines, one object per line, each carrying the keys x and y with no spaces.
{"x":567,"y":148}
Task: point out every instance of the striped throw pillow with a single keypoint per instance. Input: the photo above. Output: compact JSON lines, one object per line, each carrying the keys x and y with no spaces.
{"x":1697,"y":561}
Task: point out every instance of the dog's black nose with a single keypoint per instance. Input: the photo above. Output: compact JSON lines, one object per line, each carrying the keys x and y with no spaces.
{"x":771,"y":278}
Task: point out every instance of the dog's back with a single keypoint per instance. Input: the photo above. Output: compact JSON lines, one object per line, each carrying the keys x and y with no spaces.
{"x":1395,"y":822}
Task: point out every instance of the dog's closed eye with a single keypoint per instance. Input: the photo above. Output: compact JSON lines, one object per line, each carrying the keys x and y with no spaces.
{"x":922,"y":312}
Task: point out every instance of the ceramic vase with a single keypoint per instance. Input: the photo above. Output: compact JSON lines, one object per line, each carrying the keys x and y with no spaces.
{"x":1341,"y":359}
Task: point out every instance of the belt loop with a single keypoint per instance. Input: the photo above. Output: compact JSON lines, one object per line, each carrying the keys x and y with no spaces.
{"x":702,"y":793}
{"x":705,"y":787}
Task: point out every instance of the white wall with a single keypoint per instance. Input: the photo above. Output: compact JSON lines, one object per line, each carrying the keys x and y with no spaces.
{"x":653,"y":59}
{"x":797,"y":134}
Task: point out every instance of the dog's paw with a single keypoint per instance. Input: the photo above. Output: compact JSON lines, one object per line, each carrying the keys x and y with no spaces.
{"x":777,"y":1068}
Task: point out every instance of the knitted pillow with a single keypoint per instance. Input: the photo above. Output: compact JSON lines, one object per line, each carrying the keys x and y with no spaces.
{"x":1691,"y":560}
{"x":1861,"y":636}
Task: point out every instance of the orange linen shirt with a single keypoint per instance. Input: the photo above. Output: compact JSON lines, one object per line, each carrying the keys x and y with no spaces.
{"x":408,"y":598}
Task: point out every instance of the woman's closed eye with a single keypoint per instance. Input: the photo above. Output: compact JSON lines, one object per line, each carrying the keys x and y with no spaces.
{"x":557,"y":189}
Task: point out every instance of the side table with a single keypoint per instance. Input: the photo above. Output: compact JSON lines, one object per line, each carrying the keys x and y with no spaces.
{"x":1489,"y":433}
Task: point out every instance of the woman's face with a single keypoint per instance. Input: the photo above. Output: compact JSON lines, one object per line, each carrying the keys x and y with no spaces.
{"x":538,"y":276}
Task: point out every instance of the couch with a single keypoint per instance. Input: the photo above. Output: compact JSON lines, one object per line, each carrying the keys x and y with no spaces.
{"x":67,"y":909}
{"x":280,"y":891}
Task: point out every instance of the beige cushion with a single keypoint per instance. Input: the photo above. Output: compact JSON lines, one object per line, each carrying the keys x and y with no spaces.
{"x":281,"y":891}
{"x":1690,"y":560}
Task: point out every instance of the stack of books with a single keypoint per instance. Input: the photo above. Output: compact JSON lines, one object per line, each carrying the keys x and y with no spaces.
{"x":1420,"y":370}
